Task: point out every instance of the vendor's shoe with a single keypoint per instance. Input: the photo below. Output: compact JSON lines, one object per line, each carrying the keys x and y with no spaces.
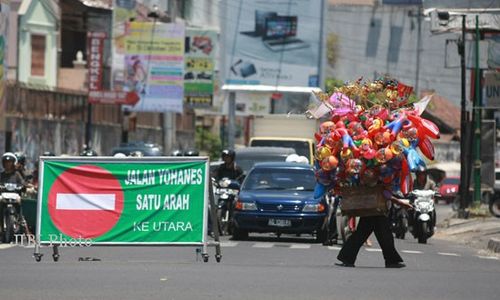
{"x":343,"y":264}
{"x":395,"y":265}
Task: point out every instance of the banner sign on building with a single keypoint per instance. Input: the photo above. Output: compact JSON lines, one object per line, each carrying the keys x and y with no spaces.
{"x":199,"y":61}
{"x":123,"y":12}
{"x":154,"y":65}
{"x":123,"y":201}
{"x":272,"y":43}
{"x":95,"y":42}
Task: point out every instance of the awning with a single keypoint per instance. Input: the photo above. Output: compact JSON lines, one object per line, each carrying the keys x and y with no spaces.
{"x":103,"y":4}
{"x":268,"y":88}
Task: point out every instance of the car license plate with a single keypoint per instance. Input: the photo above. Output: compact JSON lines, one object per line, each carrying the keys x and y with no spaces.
{"x":279,"y":223}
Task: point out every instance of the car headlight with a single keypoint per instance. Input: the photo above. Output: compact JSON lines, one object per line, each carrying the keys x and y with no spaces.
{"x":245,"y":206}
{"x":318,"y":207}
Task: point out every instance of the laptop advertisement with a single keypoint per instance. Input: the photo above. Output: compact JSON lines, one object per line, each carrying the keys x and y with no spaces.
{"x":272,"y":42}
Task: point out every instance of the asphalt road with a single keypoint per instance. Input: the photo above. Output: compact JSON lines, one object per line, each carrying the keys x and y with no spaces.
{"x":264,"y":267}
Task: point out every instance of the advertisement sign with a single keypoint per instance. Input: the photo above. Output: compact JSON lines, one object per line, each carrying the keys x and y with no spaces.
{"x":199,"y":59}
{"x":95,"y":41}
{"x":154,"y":65}
{"x":123,"y":12}
{"x":122,"y":201}
{"x":272,"y":42}
{"x":492,"y":89}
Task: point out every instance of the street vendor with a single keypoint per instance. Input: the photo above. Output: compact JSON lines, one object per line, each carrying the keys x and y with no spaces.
{"x":381,"y":227}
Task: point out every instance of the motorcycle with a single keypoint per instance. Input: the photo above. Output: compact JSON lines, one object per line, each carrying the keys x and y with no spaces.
{"x":225,"y":191}
{"x":423,"y":216}
{"x":398,"y":217}
{"x":12,"y":219}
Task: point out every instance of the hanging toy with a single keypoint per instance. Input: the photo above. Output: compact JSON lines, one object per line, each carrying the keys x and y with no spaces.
{"x":424,"y":126}
{"x":426,"y":148}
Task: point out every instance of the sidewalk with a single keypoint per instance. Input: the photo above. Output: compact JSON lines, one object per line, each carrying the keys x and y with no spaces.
{"x":481,"y":232}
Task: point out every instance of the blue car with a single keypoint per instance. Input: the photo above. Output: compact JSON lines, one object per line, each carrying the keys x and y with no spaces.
{"x":278,"y":197}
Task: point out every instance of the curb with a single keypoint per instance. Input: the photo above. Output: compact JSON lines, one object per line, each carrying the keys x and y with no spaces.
{"x":494,"y":245}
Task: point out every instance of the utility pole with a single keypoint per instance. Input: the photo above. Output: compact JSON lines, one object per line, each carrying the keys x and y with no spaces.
{"x":477,"y":122}
{"x":169,"y":122}
{"x":419,"y":47}
{"x":464,"y":183}
{"x":231,"y":124}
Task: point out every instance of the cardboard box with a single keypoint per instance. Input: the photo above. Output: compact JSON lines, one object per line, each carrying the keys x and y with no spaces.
{"x":363,"y":201}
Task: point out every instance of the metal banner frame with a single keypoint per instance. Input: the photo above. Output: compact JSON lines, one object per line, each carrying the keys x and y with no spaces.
{"x":44,"y":218}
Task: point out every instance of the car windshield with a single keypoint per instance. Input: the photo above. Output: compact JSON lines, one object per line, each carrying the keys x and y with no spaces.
{"x":246,"y":162}
{"x":280,"y":179}
{"x":451,"y":181}
{"x":302,"y":148}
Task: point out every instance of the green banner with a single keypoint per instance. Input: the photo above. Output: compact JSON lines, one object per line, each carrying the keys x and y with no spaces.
{"x":122,"y":201}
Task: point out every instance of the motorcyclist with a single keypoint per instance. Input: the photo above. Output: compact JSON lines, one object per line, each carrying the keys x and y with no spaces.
{"x":228,"y":169}
{"x":21,"y":166}
{"x":10,"y":174}
{"x":423,"y":182}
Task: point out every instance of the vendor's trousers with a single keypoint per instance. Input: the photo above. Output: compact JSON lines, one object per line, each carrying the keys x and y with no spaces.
{"x":380,"y":226}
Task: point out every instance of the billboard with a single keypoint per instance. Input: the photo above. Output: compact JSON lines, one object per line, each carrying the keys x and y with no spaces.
{"x":272,"y":42}
{"x":199,"y":71}
{"x":154,"y":65}
{"x":122,"y":201}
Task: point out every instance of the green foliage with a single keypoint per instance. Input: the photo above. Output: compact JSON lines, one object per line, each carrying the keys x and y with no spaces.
{"x":331,"y":83}
{"x":332,"y":49}
{"x":208,"y":142}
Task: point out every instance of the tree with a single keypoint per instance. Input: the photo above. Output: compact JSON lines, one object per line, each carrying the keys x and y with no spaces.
{"x":332,"y":49}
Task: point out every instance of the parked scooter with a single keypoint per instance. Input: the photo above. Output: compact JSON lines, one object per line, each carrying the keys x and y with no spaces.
{"x":225,"y":191}
{"x":422,"y":219}
{"x":13,"y":221}
{"x":494,"y":205}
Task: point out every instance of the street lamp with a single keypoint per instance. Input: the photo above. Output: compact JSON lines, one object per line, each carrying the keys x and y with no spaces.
{"x":464,"y":174}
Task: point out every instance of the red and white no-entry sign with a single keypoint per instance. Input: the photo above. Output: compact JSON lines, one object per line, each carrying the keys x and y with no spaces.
{"x":85,"y":201}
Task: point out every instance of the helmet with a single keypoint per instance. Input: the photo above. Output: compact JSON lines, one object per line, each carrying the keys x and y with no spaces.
{"x":9,"y":156}
{"x":88,"y":152}
{"x":228,"y":152}
{"x":120,"y":155}
{"x":136,"y":154}
{"x":21,"y":158}
{"x":48,"y":153}
{"x":191,"y":153}
{"x":176,"y":153}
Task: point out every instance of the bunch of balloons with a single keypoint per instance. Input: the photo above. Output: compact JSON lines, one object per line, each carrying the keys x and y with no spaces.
{"x":372,"y":136}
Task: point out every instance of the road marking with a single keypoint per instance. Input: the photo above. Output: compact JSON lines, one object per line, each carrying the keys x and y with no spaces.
{"x":373,"y":250}
{"x":85,"y":201}
{"x":300,"y":246}
{"x":448,"y":254}
{"x":263,"y":245}
{"x":334,"y":248}
{"x":228,"y":244}
{"x":488,"y":257}
{"x":412,"y":252}
{"x":6,"y":246}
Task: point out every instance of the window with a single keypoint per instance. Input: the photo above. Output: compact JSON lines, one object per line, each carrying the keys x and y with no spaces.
{"x":37,"y":55}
